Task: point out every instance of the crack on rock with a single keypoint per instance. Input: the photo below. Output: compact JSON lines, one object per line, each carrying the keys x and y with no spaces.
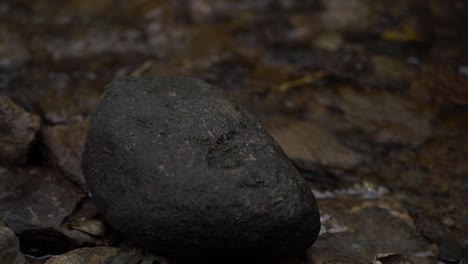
{"x":224,"y":154}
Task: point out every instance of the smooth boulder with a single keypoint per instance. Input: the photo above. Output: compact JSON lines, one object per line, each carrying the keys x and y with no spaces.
{"x":184,"y":171}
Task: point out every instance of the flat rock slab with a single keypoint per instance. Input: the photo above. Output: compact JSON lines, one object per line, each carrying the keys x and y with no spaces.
{"x":91,"y":255}
{"x":309,"y":145}
{"x":179,"y":168}
{"x":34,"y":202}
{"x":355,"y":230}
{"x":35,"y":198}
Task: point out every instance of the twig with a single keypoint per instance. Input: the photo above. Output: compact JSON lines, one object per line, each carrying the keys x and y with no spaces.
{"x":144,"y":67}
{"x":308,"y":78}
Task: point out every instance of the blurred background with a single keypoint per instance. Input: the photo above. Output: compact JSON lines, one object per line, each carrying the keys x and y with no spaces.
{"x":368,"y":98}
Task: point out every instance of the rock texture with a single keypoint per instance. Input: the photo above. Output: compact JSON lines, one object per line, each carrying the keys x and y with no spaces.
{"x":308,"y":145}
{"x":179,"y":168}
{"x":65,"y":145}
{"x":35,"y":198}
{"x":18,"y":130}
{"x":94,"y":255}
{"x":34,"y":202}
{"x":355,"y":229}
{"x":9,"y":247}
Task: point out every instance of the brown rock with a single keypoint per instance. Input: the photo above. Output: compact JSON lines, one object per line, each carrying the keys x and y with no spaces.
{"x":441,"y":86}
{"x":351,"y":15}
{"x":390,"y":71}
{"x":34,"y":202}
{"x":9,"y":247}
{"x":379,"y":115}
{"x":65,"y":144}
{"x":354,"y":229}
{"x":310,"y":145}
{"x":92,"y":255}
{"x":18,"y":130}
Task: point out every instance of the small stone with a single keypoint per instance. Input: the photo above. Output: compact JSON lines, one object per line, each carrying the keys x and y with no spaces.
{"x":448,"y":221}
{"x":65,"y":145}
{"x":182,"y":170}
{"x":90,"y":255}
{"x":351,"y":15}
{"x":18,"y":130}
{"x":91,"y":226}
{"x":9,"y":247}
{"x":329,"y":41}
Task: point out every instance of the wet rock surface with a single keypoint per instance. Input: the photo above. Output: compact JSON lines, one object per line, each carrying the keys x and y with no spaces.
{"x":9,"y":247}
{"x":95,"y":255}
{"x":65,"y":146}
{"x":324,"y":149}
{"x":18,"y":130}
{"x":33,"y":203}
{"x":209,"y":176}
{"x":355,"y":230}
{"x":36,"y":198}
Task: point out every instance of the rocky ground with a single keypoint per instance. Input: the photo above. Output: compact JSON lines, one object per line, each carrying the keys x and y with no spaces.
{"x":368,"y":98}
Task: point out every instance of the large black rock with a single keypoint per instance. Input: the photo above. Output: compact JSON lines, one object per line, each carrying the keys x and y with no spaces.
{"x":182,"y":170}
